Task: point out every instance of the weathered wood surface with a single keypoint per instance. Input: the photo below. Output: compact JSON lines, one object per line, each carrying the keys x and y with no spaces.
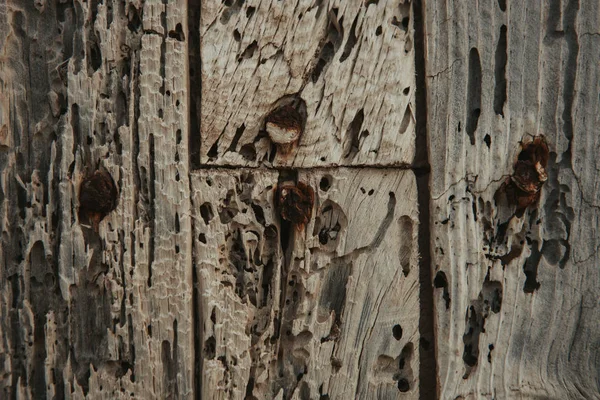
{"x":350,"y":64}
{"x":330,"y":309}
{"x":516,"y":298}
{"x":155,"y":302}
{"x":194,"y":286}
{"x":107,"y":314}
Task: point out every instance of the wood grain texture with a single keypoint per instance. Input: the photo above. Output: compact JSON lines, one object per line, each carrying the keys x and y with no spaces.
{"x":195,"y":284}
{"x":84,"y":314}
{"x":330,"y":309}
{"x":349,"y":65}
{"x":517,"y":310}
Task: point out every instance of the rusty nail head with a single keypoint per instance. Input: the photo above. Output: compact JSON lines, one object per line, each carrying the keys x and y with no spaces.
{"x":284,"y":126}
{"x":296,"y":202}
{"x":529,"y":172}
{"x":98,"y":196}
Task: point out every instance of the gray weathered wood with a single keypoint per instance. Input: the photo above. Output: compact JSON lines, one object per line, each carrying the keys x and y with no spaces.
{"x":155,"y":303}
{"x":517,"y":310}
{"x":106,"y":314}
{"x":195,"y":286}
{"x":350,"y":62}
{"x":334,"y":314}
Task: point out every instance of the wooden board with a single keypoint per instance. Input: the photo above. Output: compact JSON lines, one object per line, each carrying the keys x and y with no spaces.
{"x":195,"y":286}
{"x":104,"y":314}
{"x":330,"y":309}
{"x":517,"y":310}
{"x":348,"y":65}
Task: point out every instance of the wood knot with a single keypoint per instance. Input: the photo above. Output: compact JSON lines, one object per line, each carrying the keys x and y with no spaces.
{"x":97,"y":196}
{"x":284,"y":126}
{"x":296,"y":203}
{"x":529,"y":174}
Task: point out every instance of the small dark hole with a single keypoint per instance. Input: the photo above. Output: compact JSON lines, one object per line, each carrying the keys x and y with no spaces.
{"x":325,"y":184}
{"x":206,"y":212}
{"x":397,"y":332}
{"x":406,"y":91}
{"x":440,"y":280}
{"x":248,"y":151}
{"x":95,"y":56}
{"x":405,"y":22}
{"x":213,"y":151}
{"x":488,"y":140}
{"x":403,"y":385}
{"x":378,"y":31}
{"x":177,"y":34}
{"x":401,"y":24}
{"x":249,"y":51}
{"x":323,"y":237}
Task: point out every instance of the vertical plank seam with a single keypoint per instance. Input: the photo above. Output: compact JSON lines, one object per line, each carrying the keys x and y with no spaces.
{"x":421,"y":167}
{"x":193,"y":141}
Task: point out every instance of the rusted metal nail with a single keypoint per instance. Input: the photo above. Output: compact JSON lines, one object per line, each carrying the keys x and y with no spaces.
{"x":284,"y":126}
{"x":529,"y":173}
{"x":98,"y":196}
{"x":295,"y":201}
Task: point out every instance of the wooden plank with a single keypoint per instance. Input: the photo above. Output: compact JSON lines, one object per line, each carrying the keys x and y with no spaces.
{"x":165,"y":290}
{"x":106,"y":313}
{"x":346,"y":66}
{"x":516,"y":311}
{"x":328,"y":309}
